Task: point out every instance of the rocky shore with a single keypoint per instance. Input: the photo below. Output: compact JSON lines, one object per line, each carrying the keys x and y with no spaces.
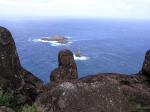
{"x":102,"y":92}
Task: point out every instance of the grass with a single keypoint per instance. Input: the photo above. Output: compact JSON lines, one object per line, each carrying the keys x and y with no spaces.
{"x":136,"y":107}
{"x":28,"y":108}
{"x":8,"y":100}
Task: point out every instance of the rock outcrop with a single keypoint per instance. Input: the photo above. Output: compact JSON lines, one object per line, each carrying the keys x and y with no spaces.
{"x":146,"y":66}
{"x":13,"y":77}
{"x":104,"y":92}
{"x":98,"y":93}
{"x":67,"y":69}
{"x":98,"y":96}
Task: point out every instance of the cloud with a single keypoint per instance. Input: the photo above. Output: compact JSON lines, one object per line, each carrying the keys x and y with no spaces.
{"x":139,"y":9}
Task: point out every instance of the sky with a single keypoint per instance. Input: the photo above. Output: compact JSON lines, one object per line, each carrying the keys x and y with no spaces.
{"x":129,"y":9}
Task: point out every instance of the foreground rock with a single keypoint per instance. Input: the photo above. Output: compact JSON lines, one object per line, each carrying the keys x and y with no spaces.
{"x":98,"y":93}
{"x":134,"y":87}
{"x":57,"y":38}
{"x":67,"y":69}
{"x":13,"y":77}
{"x":109,"y":92}
{"x":98,"y":96}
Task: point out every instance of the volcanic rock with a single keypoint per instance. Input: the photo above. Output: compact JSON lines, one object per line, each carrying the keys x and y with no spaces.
{"x":146,"y":65}
{"x":103,"y":95}
{"x":104,"y":92}
{"x":13,"y":77}
{"x":67,"y":69}
{"x":109,"y":92}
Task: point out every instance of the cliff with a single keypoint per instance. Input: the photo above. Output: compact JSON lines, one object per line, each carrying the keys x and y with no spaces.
{"x":13,"y":77}
{"x":103,"y":92}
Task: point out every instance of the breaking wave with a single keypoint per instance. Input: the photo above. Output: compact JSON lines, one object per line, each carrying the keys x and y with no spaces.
{"x":83,"y":58}
{"x":52,"y":43}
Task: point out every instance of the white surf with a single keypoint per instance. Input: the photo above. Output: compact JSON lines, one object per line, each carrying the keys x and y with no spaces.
{"x":82,"y":58}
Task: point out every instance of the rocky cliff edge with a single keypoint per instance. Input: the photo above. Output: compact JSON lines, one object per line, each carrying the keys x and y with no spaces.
{"x":103,"y":92}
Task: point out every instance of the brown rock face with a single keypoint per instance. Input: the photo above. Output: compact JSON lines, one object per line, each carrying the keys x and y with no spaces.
{"x":67,"y":69}
{"x":98,"y":93}
{"x":103,"y":95}
{"x":104,"y":92}
{"x":9,"y":62}
{"x":146,"y":65}
{"x":13,"y":77}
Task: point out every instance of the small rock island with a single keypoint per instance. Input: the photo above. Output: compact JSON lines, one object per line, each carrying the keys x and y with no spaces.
{"x":78,"y":53}
{"x":57,"y":38}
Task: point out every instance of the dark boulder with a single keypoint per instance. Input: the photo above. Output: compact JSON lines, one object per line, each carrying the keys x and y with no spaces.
{"x":133,"y":87}
{"x":67,"y":69}
{"x":102,"y":95}
{"x":146,"y":65}
{"x":13,"y":77}
{"x":108,"y":92}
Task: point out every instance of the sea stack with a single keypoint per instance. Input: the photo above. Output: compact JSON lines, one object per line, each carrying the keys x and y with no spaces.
{"x":67,"y":69}
{"x":78,"y":53}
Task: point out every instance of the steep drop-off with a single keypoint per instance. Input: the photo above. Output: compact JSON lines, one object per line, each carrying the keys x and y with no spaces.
{"x":103,"y":92}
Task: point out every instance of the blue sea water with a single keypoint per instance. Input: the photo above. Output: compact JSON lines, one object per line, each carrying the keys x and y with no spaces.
{"x":106,"y":45}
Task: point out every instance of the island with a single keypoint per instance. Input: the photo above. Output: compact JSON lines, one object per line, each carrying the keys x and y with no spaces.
{"x":57,"y":38}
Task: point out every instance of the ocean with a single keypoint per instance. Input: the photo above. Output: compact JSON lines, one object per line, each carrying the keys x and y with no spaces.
{"x":106,"y":46}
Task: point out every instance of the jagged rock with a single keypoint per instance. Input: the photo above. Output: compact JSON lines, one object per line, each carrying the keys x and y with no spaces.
{"x":103,"y":95}
{"x":67,"y":69}
{"x":109,"y":92}
{"x":13,"y":77}
{"x":146,"y":65}
{"x":132,"y":86}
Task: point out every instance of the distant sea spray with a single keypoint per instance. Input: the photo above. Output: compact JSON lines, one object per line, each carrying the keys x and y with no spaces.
{"x":53,"y":43}
{"x":56,"y":44}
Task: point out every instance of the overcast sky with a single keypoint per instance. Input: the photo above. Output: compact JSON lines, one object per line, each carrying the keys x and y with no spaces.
{"x":130,"y":9}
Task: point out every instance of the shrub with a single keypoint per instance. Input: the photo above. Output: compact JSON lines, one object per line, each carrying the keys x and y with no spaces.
{"x":8,"y":100}
{"x":28,"y":108}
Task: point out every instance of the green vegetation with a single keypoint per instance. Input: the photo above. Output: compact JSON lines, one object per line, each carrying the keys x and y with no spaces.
{"x":137,"y":107}
{"x":8,"y":100}
{"x":28,"y":108}
{"x":134,"y":106}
